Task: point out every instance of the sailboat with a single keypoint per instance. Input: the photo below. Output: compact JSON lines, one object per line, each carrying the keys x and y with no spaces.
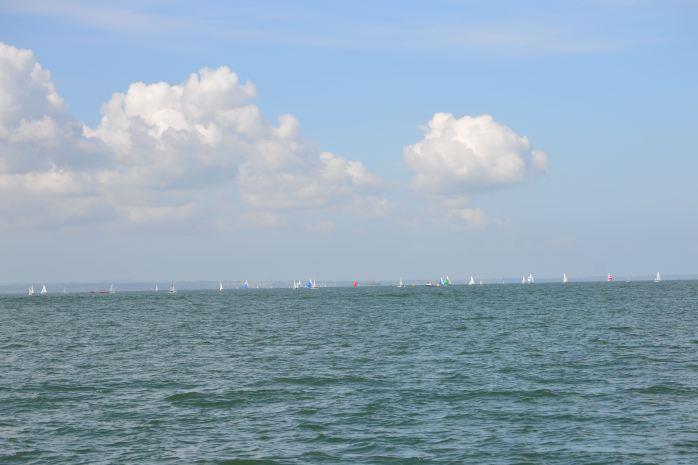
{"x":523,"y":279}
{"x":441,"y":281}
{"x":400,"y":284}
{"x":447,"y":281}
{"x":472,"y":281}
{"x":658,"y":278}
{"x":564,"y":278}
{"x":609,"y":278}
{"x":530,"y":279}
{"x":43,"y":290}
{"x":246,"y":285}
{"x":355,"y":283}
{"x":172,"y":288}
{"x":111,"y":289}
{"x":156,"y":287}
{"x":220,"y":286}
{"x":30,"y":291}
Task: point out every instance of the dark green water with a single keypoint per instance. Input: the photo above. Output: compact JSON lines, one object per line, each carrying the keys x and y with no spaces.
{"x":591,"y":373}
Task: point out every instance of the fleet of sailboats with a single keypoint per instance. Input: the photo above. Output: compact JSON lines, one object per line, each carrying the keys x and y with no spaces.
{"x":312,"y":284}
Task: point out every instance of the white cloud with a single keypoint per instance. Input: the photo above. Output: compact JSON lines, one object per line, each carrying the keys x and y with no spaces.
{"x":461,"y":157}
{"x":472,"y":217}
{"x":161,"y":152}
{"x":204,"y":133}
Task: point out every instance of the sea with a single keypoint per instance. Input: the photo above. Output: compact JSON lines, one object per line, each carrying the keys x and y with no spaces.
{"x":588,"y":373}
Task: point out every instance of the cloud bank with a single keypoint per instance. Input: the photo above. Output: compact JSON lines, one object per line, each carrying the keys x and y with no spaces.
{"x":462,"y":157}
{"x":161,"y":152}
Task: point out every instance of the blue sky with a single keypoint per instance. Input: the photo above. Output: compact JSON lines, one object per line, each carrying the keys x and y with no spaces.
{"x":607,"y":89}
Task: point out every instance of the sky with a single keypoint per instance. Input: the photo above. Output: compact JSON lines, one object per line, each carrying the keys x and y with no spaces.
{"x":339,"y":140}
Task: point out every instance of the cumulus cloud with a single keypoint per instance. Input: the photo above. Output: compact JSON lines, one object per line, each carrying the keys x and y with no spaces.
{"x":461,"y":157}
{"x":47,"y":167}
{"x":471,"y":217}
{"x":161,"y":152}
{"x":469,"y":155}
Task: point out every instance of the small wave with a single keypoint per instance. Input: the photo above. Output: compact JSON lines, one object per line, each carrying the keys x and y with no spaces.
{"x":246,"y":462}
{"x":665,"y":389}
{"x":13,"y":345}
{"x":199,"y":399}
{"x":321,"y":380}
{"x":522,"y":395}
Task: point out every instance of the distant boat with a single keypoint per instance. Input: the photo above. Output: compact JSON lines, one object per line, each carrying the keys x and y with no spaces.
{"x":400,"y":283}
{"x":429,"y":284}
{"x":245,"y":285}
{"x":43,"y":290}
{"x":564,"y":278}
{"x":355,"y":283}
{"x":610,"y":278}
{"x":297,"y":284}
{"x":441,"y":281}
{"x":311,"y":284}
{"x":530,"y":279}
{"x":111,"y":289}
{"x":156,"y":287}
{"x":658,"y":278}
{"x":172,"y":288}
{"x":30,"y":291}
{"x":472,"y":281}
{"x":447,"y":281}
{"x":523,"y":279}
{"x":220,"y":286}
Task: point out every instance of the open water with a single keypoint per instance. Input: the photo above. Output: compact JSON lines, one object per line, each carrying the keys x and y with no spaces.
{"x":497,"y":374}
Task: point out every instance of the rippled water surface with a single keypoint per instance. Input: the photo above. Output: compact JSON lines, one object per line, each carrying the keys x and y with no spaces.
{"x":588,"y":373}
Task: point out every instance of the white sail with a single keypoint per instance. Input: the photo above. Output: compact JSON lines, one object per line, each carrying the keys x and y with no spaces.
{"x":43,"y":290}
{"x":472,"y":281}
{"x":530,"y":279}
{"x":30,"y":291}
{"x":564,"y":278}
{"x":111,"y":289}
{"x":658,"y":277}
{"x":400,"y":283}
{"x":220,"y":286}
{"x":172,"y":288}
{"x":523,"y":279}
{"x":156,"y":287}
